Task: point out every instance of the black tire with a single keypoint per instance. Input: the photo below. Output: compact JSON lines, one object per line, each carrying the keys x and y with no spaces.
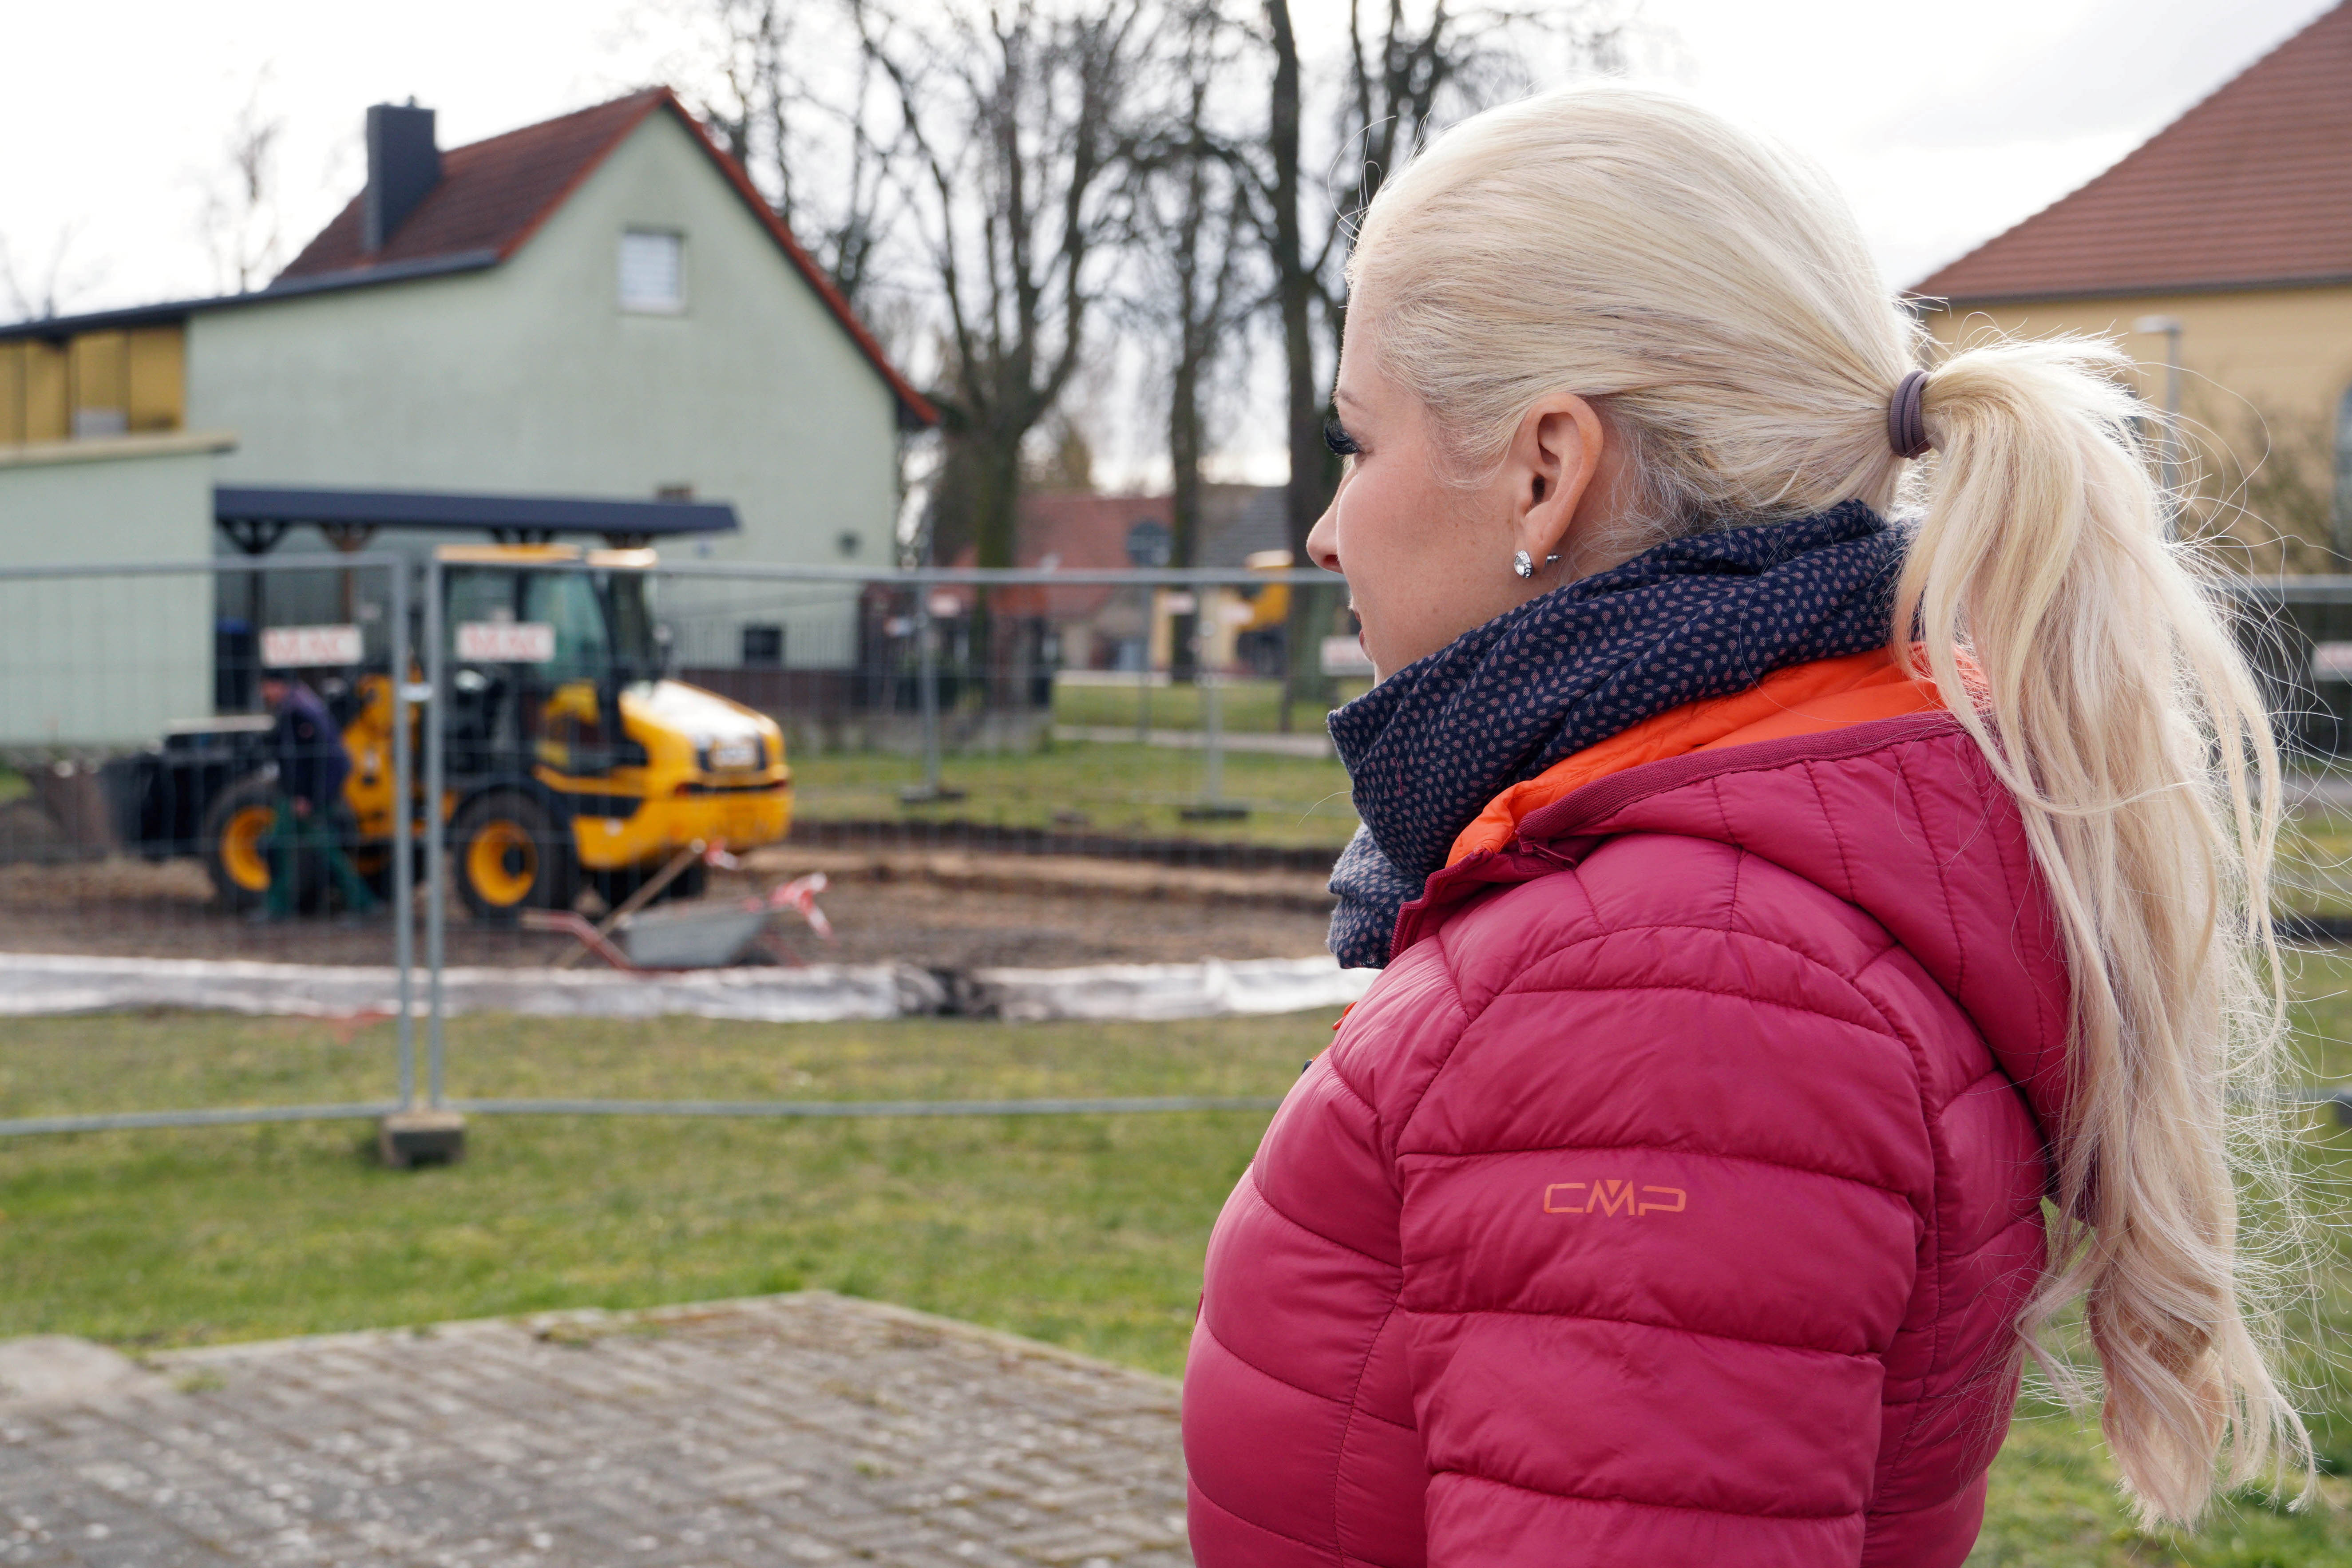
{"x":234,"y":843}
{"x":509,"y":854}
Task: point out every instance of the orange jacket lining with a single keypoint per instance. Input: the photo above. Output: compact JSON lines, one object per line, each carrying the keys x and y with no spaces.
{"x":1802,"y":699}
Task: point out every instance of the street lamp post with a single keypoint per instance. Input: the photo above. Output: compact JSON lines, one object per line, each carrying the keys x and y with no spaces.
{"x":2170,"y":327}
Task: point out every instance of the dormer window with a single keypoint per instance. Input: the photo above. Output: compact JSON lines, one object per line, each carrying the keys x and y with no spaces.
{"x":653,"y":271}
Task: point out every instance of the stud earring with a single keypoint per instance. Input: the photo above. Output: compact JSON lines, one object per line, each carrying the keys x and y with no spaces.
{"x":1523,"y":564}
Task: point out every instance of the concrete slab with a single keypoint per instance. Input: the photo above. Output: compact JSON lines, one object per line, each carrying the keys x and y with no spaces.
{"x":46,"y":1369}
{"x":782,"y":1430}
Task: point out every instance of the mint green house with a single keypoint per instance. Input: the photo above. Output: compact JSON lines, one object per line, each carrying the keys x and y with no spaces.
{"x":598,"y":309}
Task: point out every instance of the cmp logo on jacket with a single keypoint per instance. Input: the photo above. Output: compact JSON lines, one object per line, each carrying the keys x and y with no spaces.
{"x":1613,"y":1197}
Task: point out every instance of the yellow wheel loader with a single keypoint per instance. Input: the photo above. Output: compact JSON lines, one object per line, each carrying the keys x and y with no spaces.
{"x":582,"y":761}
{"x":572,"y":759}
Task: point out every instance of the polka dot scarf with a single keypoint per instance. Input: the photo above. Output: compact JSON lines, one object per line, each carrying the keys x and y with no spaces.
{"x":1702,"y":617}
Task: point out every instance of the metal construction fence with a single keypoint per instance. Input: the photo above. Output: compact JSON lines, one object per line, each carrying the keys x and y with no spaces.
{"x":143,"y":818}
{"x":401,"y":787}
{"x":646,"y":775}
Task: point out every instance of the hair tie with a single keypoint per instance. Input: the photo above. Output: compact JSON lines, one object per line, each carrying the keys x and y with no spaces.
{"x":1907,"y":420}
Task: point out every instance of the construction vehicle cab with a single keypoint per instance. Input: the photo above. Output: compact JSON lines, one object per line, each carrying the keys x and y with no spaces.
{"x":571,"y":758}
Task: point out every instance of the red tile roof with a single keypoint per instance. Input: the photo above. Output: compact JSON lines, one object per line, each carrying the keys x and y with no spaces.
{"x":494,"y":195}
{"x":2252,"y":186}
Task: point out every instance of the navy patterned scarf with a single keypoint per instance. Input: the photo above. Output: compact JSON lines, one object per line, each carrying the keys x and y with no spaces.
{"x":1702,"y":617}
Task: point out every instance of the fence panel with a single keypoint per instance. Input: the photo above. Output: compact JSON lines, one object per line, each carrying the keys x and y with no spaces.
{"x":793,"y":793}
{"x":167,"y":840}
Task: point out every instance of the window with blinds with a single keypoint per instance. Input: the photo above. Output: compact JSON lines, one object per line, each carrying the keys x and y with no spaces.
{"x":653,"y":271}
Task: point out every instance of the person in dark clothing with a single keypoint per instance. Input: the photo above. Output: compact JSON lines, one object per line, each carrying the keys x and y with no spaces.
{"x":312,"y":764}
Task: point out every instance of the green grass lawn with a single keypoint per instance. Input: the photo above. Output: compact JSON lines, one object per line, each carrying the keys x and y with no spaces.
{"x":1137,"y":790}
{"x":1084,"y":1231}
{"x":1243,"y":706}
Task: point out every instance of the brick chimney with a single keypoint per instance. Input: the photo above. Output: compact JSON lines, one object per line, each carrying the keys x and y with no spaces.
{"x":403,"y":167}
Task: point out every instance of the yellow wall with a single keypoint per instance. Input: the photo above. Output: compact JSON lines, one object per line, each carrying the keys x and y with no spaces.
{"x":46,"y":404}
{"x":2263,"y":375}
{"x":140,"y":374}
{"x":2288,"y":349}
{"x":158,"y":378}
{"x":32,"y":392}
{"x":99,"y":367}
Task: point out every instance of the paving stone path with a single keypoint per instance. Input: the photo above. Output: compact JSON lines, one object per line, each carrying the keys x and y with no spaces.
{"x":779,"y":1431}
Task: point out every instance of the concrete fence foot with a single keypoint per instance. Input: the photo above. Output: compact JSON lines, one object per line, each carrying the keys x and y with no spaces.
{"x":407,"y":1139}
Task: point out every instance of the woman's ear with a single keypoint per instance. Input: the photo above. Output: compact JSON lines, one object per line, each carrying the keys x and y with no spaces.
{"x":1549,"y":470}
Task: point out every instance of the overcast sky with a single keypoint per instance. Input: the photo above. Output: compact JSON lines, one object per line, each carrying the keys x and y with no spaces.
{"x":1945,"y":123}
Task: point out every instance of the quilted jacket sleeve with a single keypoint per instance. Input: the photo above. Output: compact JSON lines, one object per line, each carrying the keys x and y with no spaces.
{"x":1661,"y":1217}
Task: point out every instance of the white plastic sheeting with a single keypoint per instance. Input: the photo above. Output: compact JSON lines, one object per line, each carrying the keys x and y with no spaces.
{"x":1214,"y":988}
{"x":32,"y":983}
{"x":45,"y":983}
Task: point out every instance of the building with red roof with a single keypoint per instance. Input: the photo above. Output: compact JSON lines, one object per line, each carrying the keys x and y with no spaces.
{"x":591,"y":326}
{"x":2228,"y":234}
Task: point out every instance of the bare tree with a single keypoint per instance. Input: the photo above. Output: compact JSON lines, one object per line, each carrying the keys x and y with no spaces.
{"x":1409,"y":74}
{"x":240,"y":214}
{"x":1013,"y":118}
{"x":1407,"y":71}
{"x":50,"y":293}
{"x":1298,"y":285}
{"x":1193,"y":263}
{"x":1008,"y":160}
{"x":749,"y":113}
{"x":790,"y":91}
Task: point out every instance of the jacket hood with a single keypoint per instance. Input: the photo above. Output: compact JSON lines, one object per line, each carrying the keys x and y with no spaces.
{"x":1901,"y":817}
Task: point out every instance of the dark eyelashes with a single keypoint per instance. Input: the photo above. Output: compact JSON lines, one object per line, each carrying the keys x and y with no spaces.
{"x":1336,"y":437}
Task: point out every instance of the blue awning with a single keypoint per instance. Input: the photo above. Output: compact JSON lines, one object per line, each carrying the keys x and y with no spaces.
{"x":272,"y":509}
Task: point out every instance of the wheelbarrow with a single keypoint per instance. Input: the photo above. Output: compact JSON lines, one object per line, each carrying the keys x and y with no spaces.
{"x":708,"y":934}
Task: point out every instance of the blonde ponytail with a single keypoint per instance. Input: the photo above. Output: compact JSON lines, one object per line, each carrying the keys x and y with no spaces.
{"x":2120,"y":712}
{"x":1712,"y":293}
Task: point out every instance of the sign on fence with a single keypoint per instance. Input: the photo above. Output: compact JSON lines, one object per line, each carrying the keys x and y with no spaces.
{"x":506,"y":642}
{"x":310,"y":647}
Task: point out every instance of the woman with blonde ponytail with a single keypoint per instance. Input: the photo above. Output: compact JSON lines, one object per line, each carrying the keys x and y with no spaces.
{"x":1816,"y":831}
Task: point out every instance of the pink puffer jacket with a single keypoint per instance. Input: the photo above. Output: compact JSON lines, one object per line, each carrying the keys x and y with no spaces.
{"x":1669,"y":1200}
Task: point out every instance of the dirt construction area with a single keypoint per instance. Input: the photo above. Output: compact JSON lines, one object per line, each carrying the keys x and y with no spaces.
{"x":933,"y":909}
